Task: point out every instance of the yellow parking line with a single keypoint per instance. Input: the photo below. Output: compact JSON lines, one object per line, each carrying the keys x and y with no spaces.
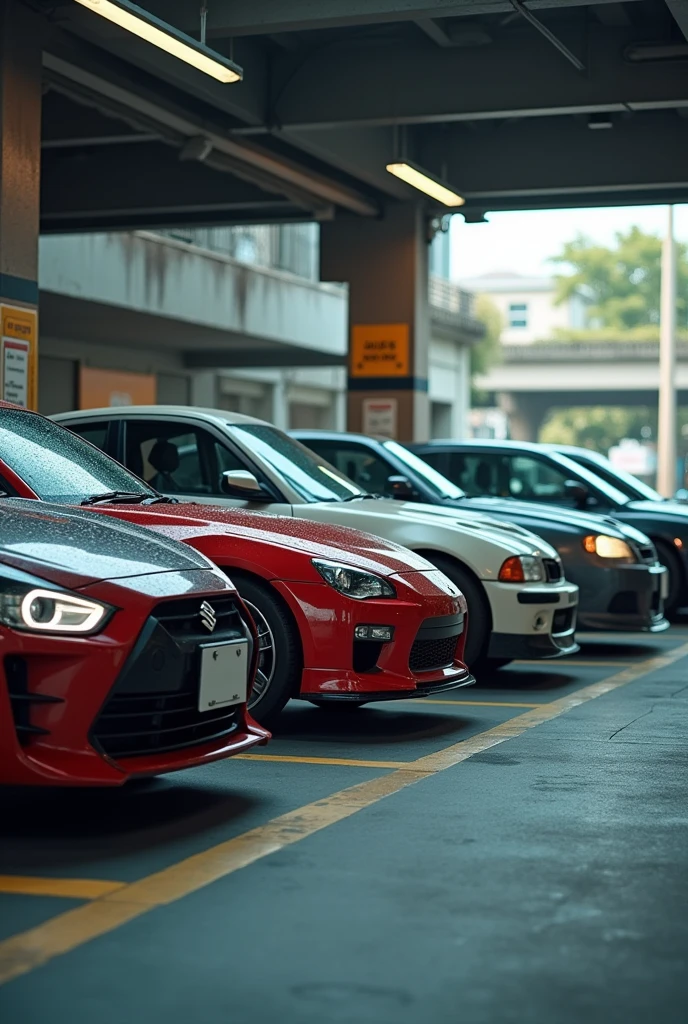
{"x":22,"y":953}
{"x":577,"y":663}
{"x":348,"y":762}
{"x":478,"y":703}
{"x":74,"y":888}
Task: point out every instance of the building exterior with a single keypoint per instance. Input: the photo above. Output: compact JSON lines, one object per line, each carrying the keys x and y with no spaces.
{"x":234,"y":318}
{"x":528,"y":307}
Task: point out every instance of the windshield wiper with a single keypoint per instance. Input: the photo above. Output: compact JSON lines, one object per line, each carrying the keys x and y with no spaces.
{"x":363,"y":494}
{"x":128,"y":498}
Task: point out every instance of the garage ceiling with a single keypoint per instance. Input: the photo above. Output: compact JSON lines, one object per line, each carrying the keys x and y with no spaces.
{"x":517,"y":106}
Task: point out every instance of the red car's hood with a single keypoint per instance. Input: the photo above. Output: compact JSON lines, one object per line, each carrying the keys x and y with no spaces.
{"x":216,"y":531}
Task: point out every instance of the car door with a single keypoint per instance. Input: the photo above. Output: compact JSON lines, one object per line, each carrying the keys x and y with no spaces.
{"x":186,"y":459}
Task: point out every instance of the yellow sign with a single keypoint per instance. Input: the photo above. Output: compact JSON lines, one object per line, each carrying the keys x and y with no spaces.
{"x":19,"y":356}
{"x":380,"y":350}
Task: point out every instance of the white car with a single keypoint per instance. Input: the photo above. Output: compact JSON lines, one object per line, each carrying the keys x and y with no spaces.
{"x":520,"y":605}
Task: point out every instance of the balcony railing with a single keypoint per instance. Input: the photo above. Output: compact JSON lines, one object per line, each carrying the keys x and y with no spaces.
{"x":451,"y":306}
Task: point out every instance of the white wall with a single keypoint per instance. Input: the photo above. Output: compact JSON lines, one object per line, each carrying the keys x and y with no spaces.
{"x":542,"y":315}
{"x":449,"y":383}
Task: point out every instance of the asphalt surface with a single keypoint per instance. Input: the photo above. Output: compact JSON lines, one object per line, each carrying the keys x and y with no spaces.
{"x":517,"y":852}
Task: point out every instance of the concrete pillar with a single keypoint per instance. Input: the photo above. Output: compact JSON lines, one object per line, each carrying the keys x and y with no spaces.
{"x":385,"y":263}
{"x":525,"y":413}
{"x":204,"y":389}
{"x":20,"y":164}
{"x":280,"y":403}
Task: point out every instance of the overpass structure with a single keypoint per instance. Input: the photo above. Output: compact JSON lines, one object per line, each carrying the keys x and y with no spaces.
{"x":101,"y":131}
{"x":532,"y":379}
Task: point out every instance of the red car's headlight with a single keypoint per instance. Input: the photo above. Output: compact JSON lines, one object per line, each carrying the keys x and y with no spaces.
{"x":31,"y":605}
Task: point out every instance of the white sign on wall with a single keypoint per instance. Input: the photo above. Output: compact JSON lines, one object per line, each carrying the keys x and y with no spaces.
{"x":379,"y":416}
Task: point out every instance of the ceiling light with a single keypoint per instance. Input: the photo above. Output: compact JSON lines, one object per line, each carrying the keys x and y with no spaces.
{"x":144,"y":25}
{"x":600,"y":121}
{"x":424,"y":183}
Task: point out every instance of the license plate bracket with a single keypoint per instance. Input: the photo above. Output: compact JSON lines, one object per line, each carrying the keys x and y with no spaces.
{"x":224,"y":675}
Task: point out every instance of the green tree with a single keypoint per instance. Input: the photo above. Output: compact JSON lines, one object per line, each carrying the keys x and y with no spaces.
{"x":623,"y":282}
{"x":488,"y":351}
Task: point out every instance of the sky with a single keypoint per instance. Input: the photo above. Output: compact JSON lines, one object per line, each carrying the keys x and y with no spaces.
{"x":522,"y":242}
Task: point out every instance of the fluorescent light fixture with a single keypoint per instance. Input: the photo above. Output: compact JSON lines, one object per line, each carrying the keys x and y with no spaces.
{"x":424,"y":183}
{"x":144,"y":25}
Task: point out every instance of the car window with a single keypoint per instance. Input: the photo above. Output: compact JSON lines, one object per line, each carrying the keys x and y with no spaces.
{"x":357,"y":462}
{"x":175,"y":458}
{"x":435,"y":481}
{"x":625,"y":482}
{"x":533,"y":479}
{"x":95,"y":432}
{"x":476,"y":473}
{"x":56,"y":463}
{"x":311,"y":477}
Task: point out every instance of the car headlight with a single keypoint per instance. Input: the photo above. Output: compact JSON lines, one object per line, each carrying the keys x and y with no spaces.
{"x":609,"y":547}
{"x":522,"y":569}
{"x":31,"y":605}
{"x":354,"y":582}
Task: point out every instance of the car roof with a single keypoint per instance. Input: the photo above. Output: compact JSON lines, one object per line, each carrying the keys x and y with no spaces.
{"x":481,"y":442}
{"x":574,"y":449}
{"x":336,"y":435}
{"x":194,"y":411}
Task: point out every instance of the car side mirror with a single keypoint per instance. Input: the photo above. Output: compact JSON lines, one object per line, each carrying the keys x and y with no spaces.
{"x":401,"y":488}
{"x":577,"y":492}
{"x":240,"y":483}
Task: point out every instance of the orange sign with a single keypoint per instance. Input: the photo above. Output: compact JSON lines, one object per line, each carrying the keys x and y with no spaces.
{"x":19,"y":356}
{"x":98,"y":388}
{"x":380,"y":350}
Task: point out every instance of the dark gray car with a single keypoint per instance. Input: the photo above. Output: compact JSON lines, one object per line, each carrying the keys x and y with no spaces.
{"x":615,"y":566}
{"x":532,"y":472}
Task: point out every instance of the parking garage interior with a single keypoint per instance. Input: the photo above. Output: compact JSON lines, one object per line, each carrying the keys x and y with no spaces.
{"x":510,"y":852}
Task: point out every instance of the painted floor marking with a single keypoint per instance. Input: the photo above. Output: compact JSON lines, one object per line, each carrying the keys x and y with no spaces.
{"x":575,"y":663}
{"x":347,"y":762}
{"x":30,"y":949}
{"x":72,"y":888}
{"x":474,"y":703}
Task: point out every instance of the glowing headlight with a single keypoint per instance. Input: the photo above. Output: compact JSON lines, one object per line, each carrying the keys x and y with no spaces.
{"x":35,"y":609}
{"x":609,"y":547}
{"x":354,"y":582}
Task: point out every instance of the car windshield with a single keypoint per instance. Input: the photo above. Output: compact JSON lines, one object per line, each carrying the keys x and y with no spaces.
{"x":311,"y":477}
{"x":58,"y":465}
{"x":434,"y":481}
{"x":626,"y":482}
{"x":588,"y":476}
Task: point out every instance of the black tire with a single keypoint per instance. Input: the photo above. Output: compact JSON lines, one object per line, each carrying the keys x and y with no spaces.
{"x":280,"y":666}
{"x":479,"y":616}
{"x":670,"y":559}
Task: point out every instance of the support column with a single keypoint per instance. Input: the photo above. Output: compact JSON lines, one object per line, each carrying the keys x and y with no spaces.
{"x":525,"y":413}
{"x":20,"y":164}
{"x":385,"y":263}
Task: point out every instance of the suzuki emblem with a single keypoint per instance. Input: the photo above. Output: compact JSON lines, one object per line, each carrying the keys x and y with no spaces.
{"x":208,"y":616}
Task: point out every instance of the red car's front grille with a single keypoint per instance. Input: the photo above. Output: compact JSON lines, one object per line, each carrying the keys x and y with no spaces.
{"x":153,"y":706}
{"x":435,"y":645}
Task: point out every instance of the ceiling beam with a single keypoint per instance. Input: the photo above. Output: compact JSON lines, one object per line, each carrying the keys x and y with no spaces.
{"x":562,"y":163}
{"x":434,"y":31}
{"x":263,"y":17}
{"x":519,"y":75}
{"x":679,"y":11}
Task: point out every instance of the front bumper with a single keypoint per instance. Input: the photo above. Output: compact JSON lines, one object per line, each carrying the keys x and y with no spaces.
{"x":534,"y":620}
{"x":336,"y":666}
{"x":628,"y":598}
{"x":53,"y":691}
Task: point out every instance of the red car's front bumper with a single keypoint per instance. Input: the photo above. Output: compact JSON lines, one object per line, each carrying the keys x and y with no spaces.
{"x":424,"y":656}
{"x":59,"y":702}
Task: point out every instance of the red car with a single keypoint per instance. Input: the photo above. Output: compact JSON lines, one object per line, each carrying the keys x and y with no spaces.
{"x":123,"y":654}
{"x":341,"y":615}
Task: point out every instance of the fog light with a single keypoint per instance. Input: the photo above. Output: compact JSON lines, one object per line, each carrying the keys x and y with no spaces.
{"x":380,"y":633}
{"x":540,"y":622}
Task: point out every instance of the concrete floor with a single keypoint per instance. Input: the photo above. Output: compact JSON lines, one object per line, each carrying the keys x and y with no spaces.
{"x":542,"y":879}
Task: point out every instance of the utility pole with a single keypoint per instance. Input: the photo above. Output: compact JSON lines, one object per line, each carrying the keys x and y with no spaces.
{"x":666,"y":435}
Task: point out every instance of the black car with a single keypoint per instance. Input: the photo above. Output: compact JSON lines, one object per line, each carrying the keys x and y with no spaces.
{"x":532,"y":472}
{"x":615,"y":566}
{"x":600,"y":465}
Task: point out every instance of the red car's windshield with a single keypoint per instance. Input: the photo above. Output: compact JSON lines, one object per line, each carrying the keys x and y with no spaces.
{"x":58,"y":465}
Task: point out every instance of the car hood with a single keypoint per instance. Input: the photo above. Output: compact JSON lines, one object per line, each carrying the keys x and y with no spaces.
{"x":238,"y":531}
{"x":76,"y":548}
{"x":668,"y":510}
{"x":586,"y":522}
{"x":511,"y":538}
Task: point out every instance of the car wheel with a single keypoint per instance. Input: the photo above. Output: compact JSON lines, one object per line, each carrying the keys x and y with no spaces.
{"x":279,"y":662}
{"x":669,"y":558}
{"x":479,"y":617}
